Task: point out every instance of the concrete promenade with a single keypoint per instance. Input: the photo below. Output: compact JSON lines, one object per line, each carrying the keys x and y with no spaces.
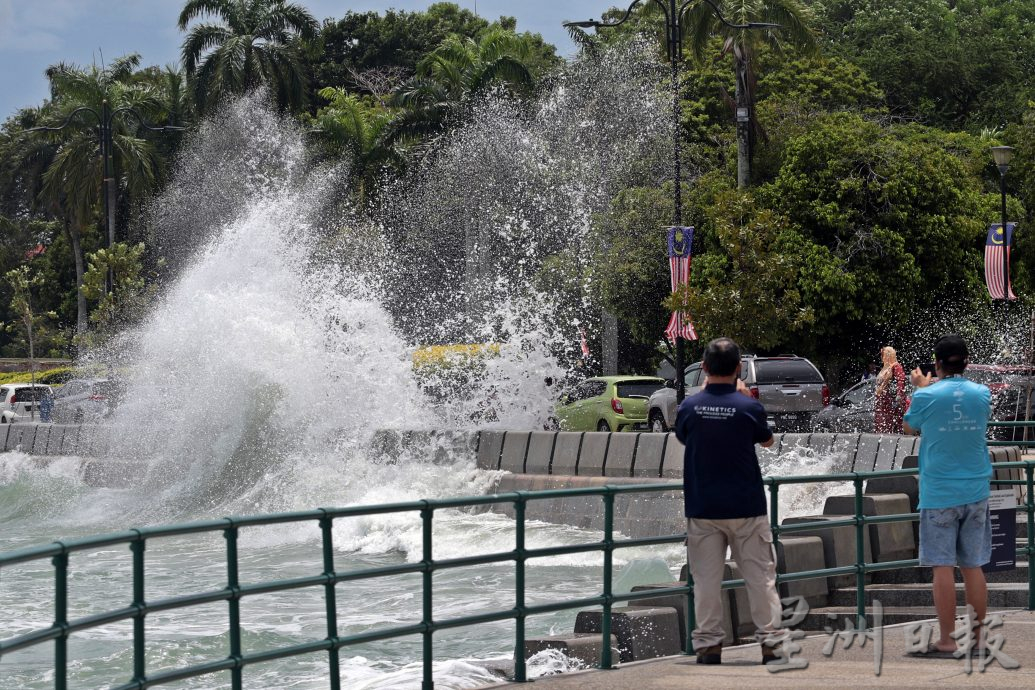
{"x":848,"y":668}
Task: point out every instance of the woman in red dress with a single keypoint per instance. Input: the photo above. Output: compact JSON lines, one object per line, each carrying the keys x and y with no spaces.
{"x":890,"y":396}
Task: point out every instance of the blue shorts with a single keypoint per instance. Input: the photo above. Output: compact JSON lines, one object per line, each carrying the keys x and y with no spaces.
{"x":961,"y":535}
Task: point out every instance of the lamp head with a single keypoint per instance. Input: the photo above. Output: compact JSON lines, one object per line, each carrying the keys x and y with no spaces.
{"x":1002,"y":156}
{"x":589,"y":24}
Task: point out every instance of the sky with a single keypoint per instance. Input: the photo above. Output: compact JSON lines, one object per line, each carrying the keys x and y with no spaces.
{"x":37,"y":33}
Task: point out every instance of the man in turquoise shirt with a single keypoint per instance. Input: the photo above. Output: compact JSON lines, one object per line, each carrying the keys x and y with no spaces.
{"x":951,"y":414}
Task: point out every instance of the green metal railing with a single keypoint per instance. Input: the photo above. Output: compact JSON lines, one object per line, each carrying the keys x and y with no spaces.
{"x":237,"y":659}
{"x":1024,"y":442}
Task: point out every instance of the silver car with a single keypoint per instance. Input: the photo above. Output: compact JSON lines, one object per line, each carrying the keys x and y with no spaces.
{"x":790,"y":387}
{"x":84,"y":400}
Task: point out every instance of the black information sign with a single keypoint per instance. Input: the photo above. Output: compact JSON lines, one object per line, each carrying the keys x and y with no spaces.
{"x":1002,"y":506}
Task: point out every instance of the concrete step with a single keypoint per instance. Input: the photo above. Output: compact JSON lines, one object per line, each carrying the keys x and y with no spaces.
{"x":1000,"y":595}
{"x":833,"y":617}
{"x":923,"y":575}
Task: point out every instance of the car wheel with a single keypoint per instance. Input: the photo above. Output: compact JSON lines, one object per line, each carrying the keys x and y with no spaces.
{"x":657,"y":423}
{"x":602,"y":425}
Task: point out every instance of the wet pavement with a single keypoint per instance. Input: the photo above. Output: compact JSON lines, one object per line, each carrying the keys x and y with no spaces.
{"x":828,"y":664}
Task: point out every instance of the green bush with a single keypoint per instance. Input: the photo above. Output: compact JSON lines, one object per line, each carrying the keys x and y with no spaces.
{"x":59,"y":375}
{"x":51,"y":376}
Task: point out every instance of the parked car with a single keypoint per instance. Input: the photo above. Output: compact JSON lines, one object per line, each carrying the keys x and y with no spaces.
{"x":19,"y":401}
{"x":607,"y":403}
{"x":852,"y":411}
{"x":84,"y":400}
{"x":1013,"y":395}
{"x":790,"y":387}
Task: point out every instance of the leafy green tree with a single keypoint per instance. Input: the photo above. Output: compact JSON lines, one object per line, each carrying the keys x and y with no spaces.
{"x":24,"y":282}
{"x":904,"y":210}
{"x":630,"y":273}
{"x":360,"y":50}
{"x":253,"y":44}
{"x":65,"y":174}
{"x":130,"y":295}
{"x":961,"y":64}
{"x":353,"y":128}
{"x":794,"y":92}
{"x":456,"y":71}
{"x":794,"y":18}
{"x":364,"y":41}
{"x":749,"y":289}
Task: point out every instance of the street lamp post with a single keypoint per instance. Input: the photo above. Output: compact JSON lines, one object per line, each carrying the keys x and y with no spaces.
{"x":105,"y":119}
{"x":673,"y":11}
{"x":1002,"y":156}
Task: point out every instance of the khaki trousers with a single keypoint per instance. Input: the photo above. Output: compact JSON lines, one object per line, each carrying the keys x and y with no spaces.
{"x":751,"y":542}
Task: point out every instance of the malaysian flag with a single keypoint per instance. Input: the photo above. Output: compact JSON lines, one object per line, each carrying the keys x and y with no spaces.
{"x":680,"y":244}
{"x":994,"y":248}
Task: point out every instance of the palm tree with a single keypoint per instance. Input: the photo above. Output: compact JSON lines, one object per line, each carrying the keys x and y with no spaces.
{"x":458,"y":69}
{"x":253,"y":45}
{"x":71,"y":172}
{"x":701,"y":24}
{"x":349,"y":126}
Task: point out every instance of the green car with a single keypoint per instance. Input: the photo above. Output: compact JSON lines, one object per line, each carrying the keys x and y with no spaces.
{"x":607,"y":403}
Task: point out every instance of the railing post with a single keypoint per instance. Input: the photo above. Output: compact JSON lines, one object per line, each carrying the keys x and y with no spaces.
{"x":519,"y":588}
{"x":426,"y":514}
{"x":605,"y":619}
{"x":233,"y":583}
{"x":139,"y":648}
{"x":61,"y":620}
{"x":330,"y":599}
{"x":1029,"y":504}
{"x":774,"y":515}
{"x":860,"y":556}
{"x":691,"y":612}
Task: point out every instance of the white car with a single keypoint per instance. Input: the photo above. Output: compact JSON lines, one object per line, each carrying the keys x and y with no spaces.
{"x":19,"y":401}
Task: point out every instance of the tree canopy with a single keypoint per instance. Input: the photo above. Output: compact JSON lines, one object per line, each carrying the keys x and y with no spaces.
{"x":871,"y":180}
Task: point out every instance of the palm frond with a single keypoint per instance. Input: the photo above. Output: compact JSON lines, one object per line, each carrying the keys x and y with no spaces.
{"x":201,"y":38}
{"x":507,"y":70}
{"x":583,"y":39}
{"x":285,"y":20}
{"x":224,"y":9}
{"x":122,"y":67}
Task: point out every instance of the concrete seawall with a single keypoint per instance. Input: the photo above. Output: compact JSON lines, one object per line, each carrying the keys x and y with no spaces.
{"x":536,"y":460}
{"x":531,"y":460}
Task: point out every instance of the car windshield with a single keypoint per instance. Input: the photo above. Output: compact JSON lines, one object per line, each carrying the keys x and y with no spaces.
{"x":786,"y":371}
{"x":861,"y":394}
{"x":637,"y":389}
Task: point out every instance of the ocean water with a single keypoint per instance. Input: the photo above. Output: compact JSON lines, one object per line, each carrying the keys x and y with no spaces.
{"x":283,"y":338}
{"x":39,"y":504}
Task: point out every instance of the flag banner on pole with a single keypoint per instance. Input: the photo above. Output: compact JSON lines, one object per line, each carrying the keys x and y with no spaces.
{"x":680,"y":245}
{"x":582,"y":343}
{"x":995,"y":245}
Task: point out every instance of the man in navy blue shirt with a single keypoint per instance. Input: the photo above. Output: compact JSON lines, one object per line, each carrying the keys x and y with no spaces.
{"x":725,"y":501}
